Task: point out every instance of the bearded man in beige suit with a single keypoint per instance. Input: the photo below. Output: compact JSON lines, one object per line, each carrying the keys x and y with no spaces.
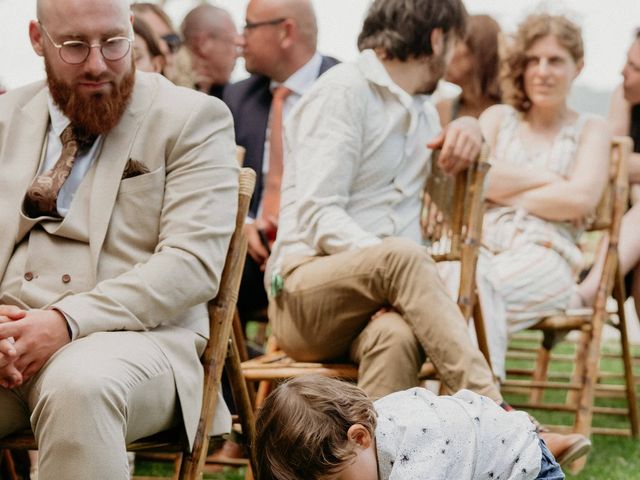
{"x":102,"y":297}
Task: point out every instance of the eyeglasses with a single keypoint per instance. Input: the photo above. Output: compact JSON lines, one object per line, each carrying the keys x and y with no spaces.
{"x":251,"y":25}
{"x":75,"y":52}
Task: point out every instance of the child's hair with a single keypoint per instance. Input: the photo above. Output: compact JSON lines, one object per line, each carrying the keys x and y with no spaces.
{"x":301,"y":429}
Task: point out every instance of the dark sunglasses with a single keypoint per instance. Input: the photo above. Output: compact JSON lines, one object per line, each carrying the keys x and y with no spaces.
{"x":173,"y":41}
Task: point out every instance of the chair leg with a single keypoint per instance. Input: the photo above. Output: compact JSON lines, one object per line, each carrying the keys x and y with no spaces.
{"x":540,"y":371}
{"x":265,"y":387}
{"x":239,"y":337}
{"x":177,"y":464}
{"x":10,"y":465}
{"x":619,"y":295}
{"x":241,"y":397}
{"x":579,"y":367}
{"x":590,"y":372}
{"x":481,"y":333}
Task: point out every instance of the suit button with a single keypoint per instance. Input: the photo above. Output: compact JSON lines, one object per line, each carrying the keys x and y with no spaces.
{"x":28,"y":276}
{"x":66,"y":278}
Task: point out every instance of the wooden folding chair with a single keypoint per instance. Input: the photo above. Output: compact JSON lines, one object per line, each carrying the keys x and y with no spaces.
{"x":582,"y":386}
{"x":221,"y":310}
{"x":453,"y":217}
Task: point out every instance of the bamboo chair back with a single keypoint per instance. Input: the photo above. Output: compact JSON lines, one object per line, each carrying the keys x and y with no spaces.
{"x":616,"y":189}
{"x":221,"y":310}
{"x":452,"y":221}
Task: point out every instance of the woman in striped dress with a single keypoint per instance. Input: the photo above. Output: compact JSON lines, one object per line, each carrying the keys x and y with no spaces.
{"x":549,"y":167}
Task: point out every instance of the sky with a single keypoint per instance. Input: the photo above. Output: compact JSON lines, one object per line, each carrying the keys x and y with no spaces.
{"x":607,"y":31}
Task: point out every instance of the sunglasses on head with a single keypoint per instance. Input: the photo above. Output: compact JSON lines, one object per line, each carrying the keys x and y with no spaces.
{"x":173,"y":41}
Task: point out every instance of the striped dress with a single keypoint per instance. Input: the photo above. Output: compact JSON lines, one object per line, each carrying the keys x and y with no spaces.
{"x":528,"y":266}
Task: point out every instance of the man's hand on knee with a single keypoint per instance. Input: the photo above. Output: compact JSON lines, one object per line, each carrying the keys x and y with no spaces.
{"x":460,"y":143}
{"x":10,"y":376}
{"x":38,"y":334}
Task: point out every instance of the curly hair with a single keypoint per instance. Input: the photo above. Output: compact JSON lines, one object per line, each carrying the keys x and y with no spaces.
{"x":402,"y":28}
{"x":301,"y":429}
{"x":514,"y":52}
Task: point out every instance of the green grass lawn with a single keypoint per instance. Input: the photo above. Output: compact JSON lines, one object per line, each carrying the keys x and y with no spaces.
{"x":612,"y":458}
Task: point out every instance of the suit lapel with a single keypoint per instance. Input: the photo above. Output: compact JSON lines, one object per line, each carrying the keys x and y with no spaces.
{"x":19,"y":162}
{"x":111,"y":162}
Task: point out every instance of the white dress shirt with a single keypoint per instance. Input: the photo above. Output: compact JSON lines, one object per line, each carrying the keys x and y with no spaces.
{"x":82,"y":164}
{"x":355,"y":163}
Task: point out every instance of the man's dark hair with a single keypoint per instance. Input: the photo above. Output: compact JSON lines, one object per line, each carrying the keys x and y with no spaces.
{"x":402,"y":28}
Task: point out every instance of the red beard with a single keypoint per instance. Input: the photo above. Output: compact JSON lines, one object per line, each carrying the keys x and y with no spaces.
{"x":95,"y":114}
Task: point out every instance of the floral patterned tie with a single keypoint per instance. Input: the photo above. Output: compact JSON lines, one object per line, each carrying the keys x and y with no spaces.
{"x":42,"y":195}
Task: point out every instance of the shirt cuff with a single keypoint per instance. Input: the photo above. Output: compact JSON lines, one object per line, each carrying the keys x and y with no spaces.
{"x":72,"y":325}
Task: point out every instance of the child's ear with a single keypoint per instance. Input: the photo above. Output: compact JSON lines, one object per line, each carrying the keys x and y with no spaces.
{"x":359,"y":435}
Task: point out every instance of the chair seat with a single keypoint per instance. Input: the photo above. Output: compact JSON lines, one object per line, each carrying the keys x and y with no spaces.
{"x":570,"y":320}
{"x":278,"y":365}
{"x":162,"y":442}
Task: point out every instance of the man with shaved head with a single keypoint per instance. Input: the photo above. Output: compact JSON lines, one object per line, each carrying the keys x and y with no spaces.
{"x":213,"y":41}
{"x":117,"y":203}
{"x":279,"y":48}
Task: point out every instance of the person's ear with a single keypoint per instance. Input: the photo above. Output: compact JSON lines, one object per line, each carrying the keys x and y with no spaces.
{"x":35,"y":36}
{"x":359,"y":435}
{"x":437,"y":41}
{"x":158,"y":63}
{"x":287,"y":33}
{"x":579,"y":67}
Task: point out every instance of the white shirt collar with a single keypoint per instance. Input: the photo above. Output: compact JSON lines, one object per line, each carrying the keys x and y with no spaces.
{"x":374,"y":71}
{"x":59,"y":121}
{"x":303,"y":78}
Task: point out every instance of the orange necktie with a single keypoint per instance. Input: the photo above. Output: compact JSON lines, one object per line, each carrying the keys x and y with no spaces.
{"x":271,"y":195}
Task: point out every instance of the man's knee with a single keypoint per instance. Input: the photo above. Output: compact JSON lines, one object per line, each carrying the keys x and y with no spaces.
{"x":389,"y":336}
{"x":77,"y":397}
{"x":404,"y":253}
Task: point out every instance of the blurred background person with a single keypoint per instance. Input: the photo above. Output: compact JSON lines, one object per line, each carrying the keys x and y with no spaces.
{"x":279,"y":45}
{"x":549,"y":168}
{"x":146,"y":51}
{"x":474,"y":68}
{"x":213,"y":41}
{"x":624,"y":117}
{"x":177,"y":61}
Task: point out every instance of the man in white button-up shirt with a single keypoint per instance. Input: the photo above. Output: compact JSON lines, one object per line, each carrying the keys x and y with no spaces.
{"x":279,"y":48}
{"x":348,"y":244}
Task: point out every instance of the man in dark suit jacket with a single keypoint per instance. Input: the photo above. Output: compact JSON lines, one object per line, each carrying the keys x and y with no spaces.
{"x":279,"y":48}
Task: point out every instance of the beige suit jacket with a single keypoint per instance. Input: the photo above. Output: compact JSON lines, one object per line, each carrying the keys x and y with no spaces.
{"x":158,"y":240}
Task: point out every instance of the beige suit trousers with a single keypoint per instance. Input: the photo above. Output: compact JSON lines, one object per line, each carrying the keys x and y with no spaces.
{"x":326,"y":307}
{"x":92,"y":397}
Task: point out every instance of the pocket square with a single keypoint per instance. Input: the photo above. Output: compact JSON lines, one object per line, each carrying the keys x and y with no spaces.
{"x":134,"y":168}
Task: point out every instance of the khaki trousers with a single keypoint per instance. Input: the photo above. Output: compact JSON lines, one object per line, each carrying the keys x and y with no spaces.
{"x":91,"y":398}
{"x":325,"y":313}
